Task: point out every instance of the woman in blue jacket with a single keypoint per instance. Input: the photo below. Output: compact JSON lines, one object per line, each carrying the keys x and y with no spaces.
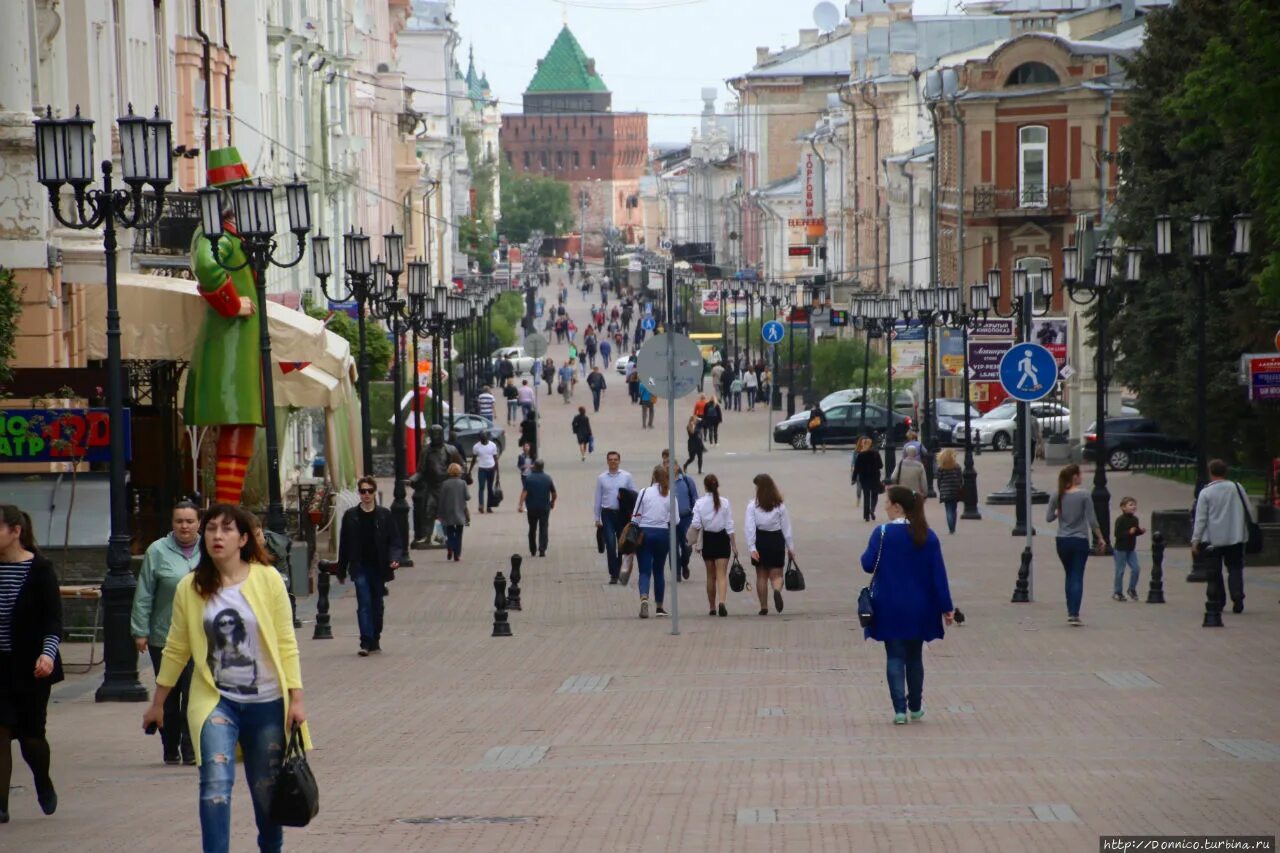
{"x":911,"y":597}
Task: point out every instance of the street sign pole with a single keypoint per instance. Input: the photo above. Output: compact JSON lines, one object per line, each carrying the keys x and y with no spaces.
{"x":673,"y":513}
{"x":768,"y":408}
{"x":772,"y":332}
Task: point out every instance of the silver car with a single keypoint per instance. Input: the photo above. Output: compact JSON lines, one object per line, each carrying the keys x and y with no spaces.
{"x":998,"y":427}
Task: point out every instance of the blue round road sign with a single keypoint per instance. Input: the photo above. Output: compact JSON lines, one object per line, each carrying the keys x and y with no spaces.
{"x":1028,"y":372}
{"x":772,"y":332}
{"x":648,"y":324}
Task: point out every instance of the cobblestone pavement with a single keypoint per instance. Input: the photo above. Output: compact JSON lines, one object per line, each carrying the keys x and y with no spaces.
{"x":592,"y":730}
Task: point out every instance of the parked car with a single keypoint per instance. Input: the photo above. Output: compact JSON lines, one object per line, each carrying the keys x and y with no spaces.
{"x":467,"y":429}
{"x":621,"y":364}
{"x":844,"y":425}
{"x":521,"y":362}
{"x":949,"y":415}
{"x":1127,"y":437}
{"x":998,"y":427}
{"x":904,"y":401}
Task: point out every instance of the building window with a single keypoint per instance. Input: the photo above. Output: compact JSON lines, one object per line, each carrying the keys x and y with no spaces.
{"x":1032,"y":74}
{"x":577,"y":160}
{"x":599,"y":131}
{"x":593,"y":159}
{"x":527,"y":160}
{"x":559,"y":159}
{"x":1035,"y":268}
{"x":542,"y":158}
{"x":533,"y":134}
{"x":1033,"y":166}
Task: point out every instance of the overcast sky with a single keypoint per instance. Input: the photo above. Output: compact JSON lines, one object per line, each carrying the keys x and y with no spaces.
{"x":654,"y":55}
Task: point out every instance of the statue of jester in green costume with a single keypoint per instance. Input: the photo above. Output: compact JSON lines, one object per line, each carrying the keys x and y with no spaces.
{"x":224,"y":379}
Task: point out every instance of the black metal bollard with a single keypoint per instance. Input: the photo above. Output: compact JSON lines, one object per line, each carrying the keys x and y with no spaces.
{"x":1155,"y":593}
{"x":500,"y":626}
{"x":977,"y":442}
{"x":1215,"y":597}
{"x":323,"y":631}
{"x":513,"y":593}
{"x":1022,"y":589}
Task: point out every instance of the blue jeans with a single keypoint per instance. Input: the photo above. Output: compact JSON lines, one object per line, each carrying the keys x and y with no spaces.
{"x":486,"y":484}
{"x":1073,"y":551}
{"x":950,"y":507}
{"x":610,"y":524}
{"x":512,"y":407}
{"x":1130,"y":559}
{"x":653,"y":560}
{"x":595,"y":399}
{"x":453,"y":538}
{"x":905,"y":670}
{"x":369,"y":604}
{"x":259,"y":729}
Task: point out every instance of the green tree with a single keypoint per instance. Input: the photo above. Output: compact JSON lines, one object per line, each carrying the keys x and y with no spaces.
{"x":1178,"y":163}
{"x":10,"y":311}
{"x":380,"y":349}
{"x":533,"y":203}
{"x":475,"y":232}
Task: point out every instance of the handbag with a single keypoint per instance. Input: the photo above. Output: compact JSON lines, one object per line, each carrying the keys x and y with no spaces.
{"x":495,"y":491}
{"x":737,"y":576}
{"x":866,"y":604}
{"x":632,"y":535}
{"x":600,"y":540}
{"x":296,"y":798}
{"x":1253,"y":542}
{"x":793,"y":578}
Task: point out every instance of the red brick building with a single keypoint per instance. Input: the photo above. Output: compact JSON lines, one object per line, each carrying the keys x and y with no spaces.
{"x":568,"y":132}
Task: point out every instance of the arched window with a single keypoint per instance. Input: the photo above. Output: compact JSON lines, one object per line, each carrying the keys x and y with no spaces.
{"x":1033,"y":166}
{"x":1032,"y":74}
{"x":1035,"y":268}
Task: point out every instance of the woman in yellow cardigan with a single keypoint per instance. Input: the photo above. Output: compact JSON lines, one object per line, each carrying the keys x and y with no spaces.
{"x":231,"y":617}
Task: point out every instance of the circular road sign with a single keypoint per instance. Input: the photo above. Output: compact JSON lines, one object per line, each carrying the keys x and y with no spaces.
{"x":648,"y":324}
{"x":535,"y":345}
{"x":1028,"y":372}
{"x":773,"y":332}
{"x":651,"y":365}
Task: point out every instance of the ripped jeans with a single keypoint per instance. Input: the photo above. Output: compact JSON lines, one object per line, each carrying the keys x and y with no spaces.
{"x":259,"y":729}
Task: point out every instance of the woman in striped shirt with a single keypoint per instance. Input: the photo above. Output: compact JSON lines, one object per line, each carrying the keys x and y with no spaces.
{"x":30,"y":630}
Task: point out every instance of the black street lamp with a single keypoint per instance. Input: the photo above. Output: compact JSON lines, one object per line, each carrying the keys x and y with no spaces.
{"x":966,"y":317}
{"x":886,"y":311}
{"x":1201,"y":256}
{"x":358,"y":269}
{"x":1084,"y":289}
{"x":64,"y":155}
{"x":778,"y":295}
{"x":925,"y":305}
{"x":1022,"y":307}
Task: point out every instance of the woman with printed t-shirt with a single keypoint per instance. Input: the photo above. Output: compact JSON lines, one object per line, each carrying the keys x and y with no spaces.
{"x":231,"y":617}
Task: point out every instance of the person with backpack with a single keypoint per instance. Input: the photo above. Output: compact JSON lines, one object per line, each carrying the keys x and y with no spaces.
{"x":1223,"y":518}
{"x":911,"y":596}
{"x":713,"y":522}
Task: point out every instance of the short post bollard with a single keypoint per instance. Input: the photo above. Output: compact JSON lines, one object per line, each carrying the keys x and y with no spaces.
{"x":1022,"y":588}
{"x":513,"y":593}
{"x":1215,"y":597}
{"x":1155,"y":593}
{"x":977,"y":442}
{"x":501,"y":628}
{"x":322,"y":630}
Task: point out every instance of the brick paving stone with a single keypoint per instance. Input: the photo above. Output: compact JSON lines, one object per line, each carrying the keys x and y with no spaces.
{"x":502,"y":744}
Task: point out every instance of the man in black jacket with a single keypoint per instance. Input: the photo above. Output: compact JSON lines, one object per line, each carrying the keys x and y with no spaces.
{"x":364,"y":550}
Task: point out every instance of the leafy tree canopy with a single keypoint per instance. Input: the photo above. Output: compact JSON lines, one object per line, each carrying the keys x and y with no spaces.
{"x":380,"y":350}
{"x":532,"y":203}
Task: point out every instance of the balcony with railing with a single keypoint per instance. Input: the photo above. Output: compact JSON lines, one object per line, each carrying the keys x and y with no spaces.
{"x":166,"y":245}
{"x":1028,"y":201}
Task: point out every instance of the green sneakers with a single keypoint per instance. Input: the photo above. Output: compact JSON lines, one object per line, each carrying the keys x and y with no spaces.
{"x":917,"y":715}
{"x":899,"y":719}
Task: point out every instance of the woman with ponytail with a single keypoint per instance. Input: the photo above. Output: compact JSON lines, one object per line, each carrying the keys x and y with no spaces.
{"x":1072,"y":508}
{"x":911,"y":596}
{"x":30,"y":633}
{"x":713,"y":518}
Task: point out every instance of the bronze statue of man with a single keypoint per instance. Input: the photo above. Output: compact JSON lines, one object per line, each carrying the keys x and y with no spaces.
{"x":433,"y":470}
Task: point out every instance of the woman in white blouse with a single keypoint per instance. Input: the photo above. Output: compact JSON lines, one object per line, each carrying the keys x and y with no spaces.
{"x":652,"y":515}
{"x":769,"y":539}
{"x":713,"y":518}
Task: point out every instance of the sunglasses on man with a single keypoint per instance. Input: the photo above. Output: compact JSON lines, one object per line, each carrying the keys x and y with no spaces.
{"x":367,"y":491}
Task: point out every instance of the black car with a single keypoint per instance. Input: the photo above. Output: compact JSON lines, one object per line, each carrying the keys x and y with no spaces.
{"x":950,"y":413}
{"x":467,"y":429}
{"x":844,"y":426}
{"x":1129,"y":437}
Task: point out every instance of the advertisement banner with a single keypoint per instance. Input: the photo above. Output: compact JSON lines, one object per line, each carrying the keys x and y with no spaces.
{"x":1051,"y":333}
{"x":1264,"y":377}
{"x":994,"y":328}
{"x":950,"y":352}
{"x":711,"y":303}
{"x":55,"y":435}
{"x":984,"y":359}
{"x":908,"y":351}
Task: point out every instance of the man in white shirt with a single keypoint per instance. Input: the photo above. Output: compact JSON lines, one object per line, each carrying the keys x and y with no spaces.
{"x":485,"y":403}
{"x":486,"y":459}
{"x":1220,"y":530}
{"x":605,"y":506}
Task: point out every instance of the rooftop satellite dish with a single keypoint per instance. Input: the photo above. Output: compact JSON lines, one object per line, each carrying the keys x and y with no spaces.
{"x":826,"y":16}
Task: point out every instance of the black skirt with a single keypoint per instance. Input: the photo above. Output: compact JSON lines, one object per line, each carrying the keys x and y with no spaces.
{"x":715,"y":545}
{"x":772,"y":546}
{"x":23,"y":706}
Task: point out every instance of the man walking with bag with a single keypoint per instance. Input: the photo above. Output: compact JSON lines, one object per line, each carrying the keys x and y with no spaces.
{"x":1221,"y":529}
{"x":606,"y":507}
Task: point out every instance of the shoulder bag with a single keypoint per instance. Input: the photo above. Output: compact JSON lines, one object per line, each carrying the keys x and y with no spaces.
{"x":1253,"y":542}
{"x":495,"y":491}
{"x":793,"y":578}
{"x":296,"y":798}
{"x":866,"y":602}
{"x":632,"y":535}
{"x":737,"y":576}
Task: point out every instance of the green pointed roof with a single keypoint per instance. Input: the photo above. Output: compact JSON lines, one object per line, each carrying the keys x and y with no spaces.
{"x":566,"y":68}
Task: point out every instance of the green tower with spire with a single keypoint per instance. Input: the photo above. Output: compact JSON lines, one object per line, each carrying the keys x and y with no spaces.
{"x":566,"y":80}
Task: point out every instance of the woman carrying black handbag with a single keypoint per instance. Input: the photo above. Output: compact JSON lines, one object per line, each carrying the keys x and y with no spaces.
{"x":769,"y":540}
{"x":713,"y":520}
{"x":911,"y":599}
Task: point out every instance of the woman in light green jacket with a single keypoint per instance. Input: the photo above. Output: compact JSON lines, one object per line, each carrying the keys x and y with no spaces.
{"x":168,"y":560}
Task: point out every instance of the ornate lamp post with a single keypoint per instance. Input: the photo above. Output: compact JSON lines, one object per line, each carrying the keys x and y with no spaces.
{"x":929,"y":311}
{"x":419,"y":284}
{"x":966,"y":317}
{"x":64,"y":155}
{"x":886,"y":311}
{"x":1022,"y":307}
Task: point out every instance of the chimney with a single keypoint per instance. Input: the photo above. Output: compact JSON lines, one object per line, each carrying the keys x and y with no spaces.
{"x":762,"y":55}
{"x":808,"y":37}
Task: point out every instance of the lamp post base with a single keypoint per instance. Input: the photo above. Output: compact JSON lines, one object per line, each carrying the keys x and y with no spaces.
{"x":1022,"y":588}
{"x":1201,"y":566}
